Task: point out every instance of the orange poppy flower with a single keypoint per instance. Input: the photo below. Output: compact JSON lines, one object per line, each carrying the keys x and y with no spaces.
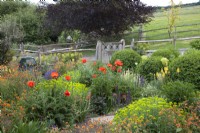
{"x":109,"y":65}
{"x":84,"y":60}
{"x":54,"y":75}
{"x":67,"y":93}
{"x":102,"y":69}
{"x":67,"y":77}
{"x":31,"y":84}
{"x":94,"y":63}
{"x":118,"y":63}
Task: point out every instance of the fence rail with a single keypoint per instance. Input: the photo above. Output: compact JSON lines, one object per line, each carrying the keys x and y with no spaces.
{"x":162,"y":33}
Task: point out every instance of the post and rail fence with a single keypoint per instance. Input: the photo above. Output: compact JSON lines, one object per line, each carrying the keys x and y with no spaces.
{"x":71,"y":47}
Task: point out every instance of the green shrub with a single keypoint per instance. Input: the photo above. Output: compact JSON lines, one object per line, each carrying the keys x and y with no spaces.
{"x":148,"y":68}
{"x":30,"y":127}
{"x":144,"y":116}
{"x":167,"y":53}
{"x":141,"y":48}
{"x":48,"y":102}
{"x":189,"y":66}
{"x":102,"y":88}
{"x":152,"y":89}
{"x":178,"y":91}
{"x":195,"y":44}
{"x":129,"y":58}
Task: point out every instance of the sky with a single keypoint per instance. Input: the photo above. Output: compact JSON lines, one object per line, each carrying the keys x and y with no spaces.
{"x":148,"y":2}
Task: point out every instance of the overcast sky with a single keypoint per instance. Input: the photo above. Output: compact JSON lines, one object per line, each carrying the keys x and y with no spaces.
{"x":148,"y":2}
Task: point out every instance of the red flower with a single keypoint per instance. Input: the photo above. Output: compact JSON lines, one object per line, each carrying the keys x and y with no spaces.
{"x":67,"y":77}
{"x":84,"y":60}
{"x":54,"y":75}
{"x":102,"y":69}
{"x":118,"y":63}
{"x":109,"y":65}
{"x":119,"y":70}
{"x":113,"y":68}
{"x":31,"y":83}
{"x":67,"y":93}
{"x":95,"y":63}
{"x":94,"y":76}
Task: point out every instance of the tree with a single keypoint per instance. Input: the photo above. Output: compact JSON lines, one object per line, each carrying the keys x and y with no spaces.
{"x":9,"y":32}
{"x":172,"y":16}
{"x":9,"y":6}
{"x":104,"y":17}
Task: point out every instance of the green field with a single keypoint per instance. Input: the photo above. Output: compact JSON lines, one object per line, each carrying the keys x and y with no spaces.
{"x":187,"y":16}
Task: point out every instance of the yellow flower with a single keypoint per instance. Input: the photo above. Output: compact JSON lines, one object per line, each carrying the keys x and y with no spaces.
{"x":178,"y":70}
{"x":166,"y":69}
{"x":163,"y":75}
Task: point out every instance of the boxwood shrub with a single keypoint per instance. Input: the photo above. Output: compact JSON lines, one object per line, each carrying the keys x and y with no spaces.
{"x":178,"y":91}
{"x":129,"y":57}
{"x":150,"y":67}
{"x":189,"y":66}
{"x":167,"y":53}
{"x":195,"y":44}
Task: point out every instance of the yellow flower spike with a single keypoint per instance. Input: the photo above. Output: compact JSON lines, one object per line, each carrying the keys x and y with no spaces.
{"x":157,"y":74}
{"x":178,"y":70}
{"x":166,"y":69}
{"x":162,"y":71}
{"x":163,"y":75}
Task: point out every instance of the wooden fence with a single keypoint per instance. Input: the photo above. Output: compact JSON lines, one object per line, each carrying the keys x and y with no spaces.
{"x":141,"y":34}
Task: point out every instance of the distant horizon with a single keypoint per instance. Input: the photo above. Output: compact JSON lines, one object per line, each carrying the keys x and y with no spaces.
{"x":147,"y":2}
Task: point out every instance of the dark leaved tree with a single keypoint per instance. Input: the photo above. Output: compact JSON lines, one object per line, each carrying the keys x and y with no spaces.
{"x":104,"y":17}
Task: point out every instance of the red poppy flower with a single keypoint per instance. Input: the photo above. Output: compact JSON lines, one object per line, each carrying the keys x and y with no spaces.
{"x":119,"y":70}
{"x":84,"y":60}
{"x":109,"y":65}
{"x":67,"y":77}
{"x":102,"y":69}
{"x":31,"y":83}
{"x":118,"y":63}
{"x":94,"y":76}
{"x":54,"y":75}
{"x":95,"y":63}
{"x":67,"y":93}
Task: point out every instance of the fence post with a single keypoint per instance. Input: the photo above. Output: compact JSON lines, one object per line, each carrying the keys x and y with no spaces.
{"x":99,"y":50}
{"x":21,"y":47}
{"x":132,"y":44}
{"x":140,"y":32}
{"x":39,"y":55}
{"x":174,"y":39}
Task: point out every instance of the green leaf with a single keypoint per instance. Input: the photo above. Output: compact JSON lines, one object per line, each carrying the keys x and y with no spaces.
{"x":178,"y":130}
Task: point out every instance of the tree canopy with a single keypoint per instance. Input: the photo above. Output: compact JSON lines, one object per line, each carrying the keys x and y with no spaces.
{"x":104,"y":17}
